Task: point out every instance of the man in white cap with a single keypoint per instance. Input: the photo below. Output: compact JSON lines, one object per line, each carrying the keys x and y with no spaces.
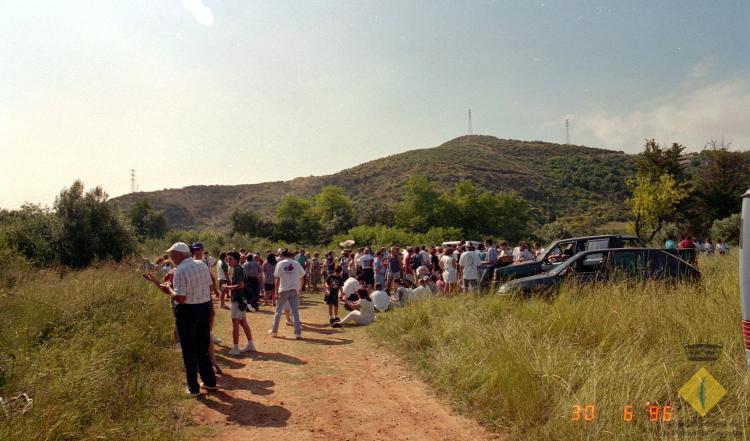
{"x":192,"y":292}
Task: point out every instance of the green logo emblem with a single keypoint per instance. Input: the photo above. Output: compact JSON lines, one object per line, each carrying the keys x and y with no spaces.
{"x":702,"y":392}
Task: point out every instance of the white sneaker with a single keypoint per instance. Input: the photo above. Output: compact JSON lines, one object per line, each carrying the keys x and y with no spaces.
{"x":271,"y":333}
{"x":250,"y":347}
{"x":215,"y":339}
{"x":234,"y":352}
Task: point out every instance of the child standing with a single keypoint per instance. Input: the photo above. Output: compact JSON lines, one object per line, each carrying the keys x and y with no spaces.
{"x":331,"y":297}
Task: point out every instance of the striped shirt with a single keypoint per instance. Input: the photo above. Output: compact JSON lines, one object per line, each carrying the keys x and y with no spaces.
{"x":192,"y":279}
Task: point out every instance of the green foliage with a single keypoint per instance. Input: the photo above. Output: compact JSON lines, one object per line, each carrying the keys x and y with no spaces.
{"x":727,"y":229}
{"x":91,"y":227}
{"x":381,"y":235}
{"x":656,"y":160}
{"x":518,"y":365}
{"x":248,"y":222}
{"x":476,"y":212}
{"x":334,"y":209}
{"x":420,"y":205}
{"x":718,"y":184}
{"x":93,"y":350}
{"x":147,"y":222}
{"x":554,"y":231}
{"x":31,"y":231}
{"x":654,"y":203}
{"x":297,"y":221}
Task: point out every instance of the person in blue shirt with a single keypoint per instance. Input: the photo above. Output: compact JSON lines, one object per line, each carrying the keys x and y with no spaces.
{"x":670,"y":244}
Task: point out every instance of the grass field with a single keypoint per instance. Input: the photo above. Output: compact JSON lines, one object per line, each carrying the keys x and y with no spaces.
{"x":93,"y":350}
{"x":520,"y":366}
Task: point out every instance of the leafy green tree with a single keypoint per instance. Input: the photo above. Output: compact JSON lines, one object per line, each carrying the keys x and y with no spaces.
{"x":31,"y":231}
{"x":656,"y":160}
{"x":420,"y":206}
{"x":297,"y":221}
{"x":334,"y":209}
{"x":90,"y":227}
{"x":245,"y":221}
{"x":727,"y":228}
{"x":654,"y":203}
{"x":718,"y":183}
{"x":147,"y":222}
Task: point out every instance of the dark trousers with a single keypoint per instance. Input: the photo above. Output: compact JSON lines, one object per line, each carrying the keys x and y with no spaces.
{"x":252,"y":290}
{"x":194,"y":327}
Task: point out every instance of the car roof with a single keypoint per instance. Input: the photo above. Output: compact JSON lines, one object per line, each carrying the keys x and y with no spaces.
{"x":601,"y":236}
{"x":633,"y":249}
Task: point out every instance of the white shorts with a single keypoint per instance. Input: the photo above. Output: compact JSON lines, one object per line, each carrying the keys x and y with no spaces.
{"x":237,"y":314}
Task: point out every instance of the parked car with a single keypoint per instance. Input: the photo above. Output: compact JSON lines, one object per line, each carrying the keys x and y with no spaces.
{"x":554,"y":255}
{"x":454,"y":243}
{"x":633,"y":264}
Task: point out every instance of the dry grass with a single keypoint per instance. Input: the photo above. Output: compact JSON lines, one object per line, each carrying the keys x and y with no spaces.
{"x":518,"y":365}
{"x":93,"y":352}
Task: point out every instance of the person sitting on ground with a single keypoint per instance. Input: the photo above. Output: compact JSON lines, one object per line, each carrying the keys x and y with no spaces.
{"x":363,"y":311}
{"x":433,"y":284}
{"x":423,"y":291}
{"x":349,"y":291}
{"x":440,"y":284}
{"x":423,"y":271}
{"x":331,"y":296}
{"x":239,"y":304}
{"x":380,"y":298}
{"x":722,"y":247}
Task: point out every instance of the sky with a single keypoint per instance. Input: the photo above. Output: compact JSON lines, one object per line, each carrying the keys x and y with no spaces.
{"x":201,"y":92}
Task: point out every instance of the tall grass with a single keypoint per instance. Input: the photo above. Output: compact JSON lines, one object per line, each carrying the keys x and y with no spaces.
{"x":92,"y":350}
{"x":519,"y":366}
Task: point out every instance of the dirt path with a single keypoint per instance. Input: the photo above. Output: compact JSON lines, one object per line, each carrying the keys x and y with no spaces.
{"x":335,"y":384}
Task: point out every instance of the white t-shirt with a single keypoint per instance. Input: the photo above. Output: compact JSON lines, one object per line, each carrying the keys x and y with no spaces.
{"x":289,"y":272}
{"x":425,"y":257}
{"x":447,"y":262}
{"x":525,"y":255}
{"x":469,"y":262}
{"x":381,"y":300}
{"x":351,"y":285}
{"x":367,"y":310}
{"x":422,"y":291}
{"x":366,"y":261}
{"x":221,"y":275}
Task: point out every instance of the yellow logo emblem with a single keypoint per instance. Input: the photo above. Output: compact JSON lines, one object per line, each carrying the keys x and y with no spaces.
{"x":702,"y":391}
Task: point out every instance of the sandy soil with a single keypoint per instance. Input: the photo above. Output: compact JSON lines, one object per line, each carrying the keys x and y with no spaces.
{"x":335,"y":384}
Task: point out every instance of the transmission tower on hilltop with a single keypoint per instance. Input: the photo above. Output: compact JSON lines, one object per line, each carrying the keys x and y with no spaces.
{"x":470,"y":131}
{"x":133,"y":187}
{"x":567,"y":131}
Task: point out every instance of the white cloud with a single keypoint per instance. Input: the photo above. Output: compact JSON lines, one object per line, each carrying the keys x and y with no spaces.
{"x":691,"y":117}
{"x":200,"y":11}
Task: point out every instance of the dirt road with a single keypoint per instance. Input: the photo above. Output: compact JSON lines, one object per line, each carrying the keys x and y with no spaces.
{"x":335,"y":384}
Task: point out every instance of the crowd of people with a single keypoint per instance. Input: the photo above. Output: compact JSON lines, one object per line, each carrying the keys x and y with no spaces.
{"x":362,"y":282}
{"x":706,"y":246}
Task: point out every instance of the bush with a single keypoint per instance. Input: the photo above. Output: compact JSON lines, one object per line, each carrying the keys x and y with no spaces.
{"x":31,"y":232}
{"x":727,"y":229}
{"x":93,"y":352}
{"x":381,"y":235}
{"x":91,"y":227}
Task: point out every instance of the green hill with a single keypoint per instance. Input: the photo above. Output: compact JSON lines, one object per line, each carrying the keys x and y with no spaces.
{"x":573,"y":180}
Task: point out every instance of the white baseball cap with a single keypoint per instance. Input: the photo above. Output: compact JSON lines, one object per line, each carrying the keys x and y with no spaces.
{"x":180,"y":247}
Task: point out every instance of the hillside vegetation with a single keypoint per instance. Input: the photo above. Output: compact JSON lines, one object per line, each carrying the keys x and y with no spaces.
{"x":574,"y":178}
{"x":520,"y":366}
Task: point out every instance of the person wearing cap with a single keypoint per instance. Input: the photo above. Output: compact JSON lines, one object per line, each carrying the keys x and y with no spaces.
{"x":192,"y":292}
{"x":289,"y":277}
{"x":197,"y":249}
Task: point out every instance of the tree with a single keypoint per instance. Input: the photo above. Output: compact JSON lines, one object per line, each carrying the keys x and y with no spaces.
{"x":90,"y":227}
{"x":656,"y":160}
{"x":419,"y":208}
{"x":654,"y":203}
{"x":245,"y":221}
{"x":147,"y":222}
{"x":718,"y":183}
{"x":334,"y":210}
{"x":296,"y":220}
{"x":727,"y":228}
{"x":31,"y":231}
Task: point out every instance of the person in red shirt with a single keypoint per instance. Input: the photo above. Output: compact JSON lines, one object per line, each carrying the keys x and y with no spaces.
{"x":687,"y":243}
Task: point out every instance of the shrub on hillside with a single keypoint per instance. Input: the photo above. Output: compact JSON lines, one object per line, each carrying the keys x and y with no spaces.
{"x":91,"y":227}
{"x":727,"y":229}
